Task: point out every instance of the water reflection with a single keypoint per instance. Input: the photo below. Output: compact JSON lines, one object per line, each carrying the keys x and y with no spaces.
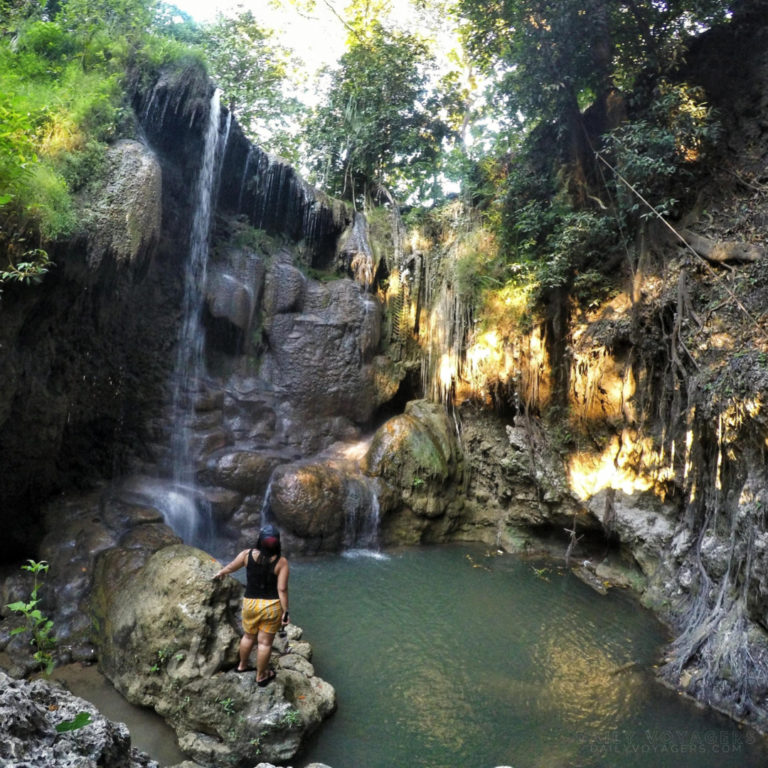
{"x":444,"y":660}
{"x":579,"y":680}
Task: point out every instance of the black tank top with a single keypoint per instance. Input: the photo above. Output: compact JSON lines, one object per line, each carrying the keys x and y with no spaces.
{"x":261,"y":579}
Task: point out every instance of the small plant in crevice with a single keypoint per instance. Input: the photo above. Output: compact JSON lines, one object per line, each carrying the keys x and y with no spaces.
{"x":256,"y":742}
{"x":36,"y":623}
{"x":228,"y":705}
{"x":80,"y":720}
{"x":164,"y":655}
{"x":291,"y":718}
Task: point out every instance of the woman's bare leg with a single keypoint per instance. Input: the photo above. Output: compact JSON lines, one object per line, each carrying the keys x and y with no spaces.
{"x":246,"y":646}
{"x":262,"y":653}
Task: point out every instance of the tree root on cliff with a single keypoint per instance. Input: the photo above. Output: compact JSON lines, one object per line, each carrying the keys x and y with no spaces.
{"x":715,"y":658}
{"x":719,"y":252}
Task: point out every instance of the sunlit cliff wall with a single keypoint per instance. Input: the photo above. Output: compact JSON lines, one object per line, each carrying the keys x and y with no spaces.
{"x":640,"y":423}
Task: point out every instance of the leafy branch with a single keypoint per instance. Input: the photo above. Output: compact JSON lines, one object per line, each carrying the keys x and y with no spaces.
{"x":36,"y":623}
{"x":36,"y":264}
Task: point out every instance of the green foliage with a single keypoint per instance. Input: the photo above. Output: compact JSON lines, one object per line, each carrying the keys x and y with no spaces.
{"x":164,"y":655}
{"x":254,"y":72}
{"x":564,"y":223}
{"x":379,"y":127}
{"x":227,"y":705}
{"x":550,"y":57}
{"x":171,"y":23}
{"x":27,"y":272}
{"x":291,"y":718}
{"x":80,"y":720}
{"x":37,"y":624}
{"x":657,"y":154}
{"x":64,"y":71}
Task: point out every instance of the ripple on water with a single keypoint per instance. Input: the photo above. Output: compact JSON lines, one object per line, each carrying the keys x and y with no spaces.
{"x":370,"y":554}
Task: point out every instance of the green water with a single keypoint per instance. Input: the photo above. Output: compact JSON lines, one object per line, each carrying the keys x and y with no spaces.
{"x":444,"y":658}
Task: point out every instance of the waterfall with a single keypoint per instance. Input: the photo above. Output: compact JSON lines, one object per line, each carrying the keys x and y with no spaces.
{"x":361,"y":520}
{"x":187,"y":512}
{"x":244,"y":178}
{"x":266,"y":508}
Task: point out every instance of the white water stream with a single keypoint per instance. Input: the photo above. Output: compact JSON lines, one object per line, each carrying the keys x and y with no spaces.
{"x":184,"y":509}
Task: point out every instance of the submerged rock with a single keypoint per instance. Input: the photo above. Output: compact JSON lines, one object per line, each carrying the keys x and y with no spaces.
{"x":29,"y":715}
{"x":167,"y":639}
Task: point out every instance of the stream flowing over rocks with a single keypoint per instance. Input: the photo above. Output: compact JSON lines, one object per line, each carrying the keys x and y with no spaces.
{"x":604,"y":435}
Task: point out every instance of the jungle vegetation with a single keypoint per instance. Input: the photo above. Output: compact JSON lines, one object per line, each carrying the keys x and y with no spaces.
{"x":558,"y":125}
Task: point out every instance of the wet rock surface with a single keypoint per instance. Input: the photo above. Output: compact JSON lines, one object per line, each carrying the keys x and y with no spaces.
{"x":123,"y":213}
{"x":81,"y":530}
{"x":417,"y":457}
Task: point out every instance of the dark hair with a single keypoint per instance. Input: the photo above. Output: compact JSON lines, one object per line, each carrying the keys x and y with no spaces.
{"x":269,"y":541}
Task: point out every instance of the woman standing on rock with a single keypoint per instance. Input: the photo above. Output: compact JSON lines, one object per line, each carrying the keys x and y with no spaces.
{"x":265,"y":603}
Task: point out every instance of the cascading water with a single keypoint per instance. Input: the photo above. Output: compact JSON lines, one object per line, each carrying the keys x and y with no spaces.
{"x":362,"y":515}
{"x":185,"y":510}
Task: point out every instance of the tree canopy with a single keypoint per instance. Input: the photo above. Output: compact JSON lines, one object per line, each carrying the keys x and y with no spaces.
{"x":379,"y":127}
{"x":255,"y":74}
{"x":391,"y":120}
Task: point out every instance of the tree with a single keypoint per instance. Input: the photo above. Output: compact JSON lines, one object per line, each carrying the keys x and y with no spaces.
{"x":553,"y":58}
{"x":379,"y":131}
{"x":254,"y":73}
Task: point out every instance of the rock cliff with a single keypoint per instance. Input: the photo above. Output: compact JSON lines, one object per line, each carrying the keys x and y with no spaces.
{"x":632,"y":433}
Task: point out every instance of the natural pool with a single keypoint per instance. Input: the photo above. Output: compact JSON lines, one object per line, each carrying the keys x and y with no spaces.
{"x":445,"y":658}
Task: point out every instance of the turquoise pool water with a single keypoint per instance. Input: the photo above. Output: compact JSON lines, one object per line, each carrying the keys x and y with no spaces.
{"x":447,"y":658}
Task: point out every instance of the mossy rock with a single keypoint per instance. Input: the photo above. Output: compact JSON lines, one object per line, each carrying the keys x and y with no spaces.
{"x":417,"y":454}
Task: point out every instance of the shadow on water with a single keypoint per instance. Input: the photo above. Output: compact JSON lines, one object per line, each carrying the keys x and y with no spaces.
{"x":446,"y":658}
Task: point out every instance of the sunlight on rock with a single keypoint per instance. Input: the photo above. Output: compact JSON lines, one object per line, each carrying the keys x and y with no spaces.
{"x":630,"y":464}
{"x":721,"y":341}
{"x":356,"y":450}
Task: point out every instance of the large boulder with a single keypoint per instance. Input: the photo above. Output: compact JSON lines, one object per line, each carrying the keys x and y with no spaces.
{"x":168,"y":639}
{"x":325,"y":504}
{"x":30,"y":713}
{"x":417,"y":456}
{"x":123,"y":213}
{"x":234,"y":287}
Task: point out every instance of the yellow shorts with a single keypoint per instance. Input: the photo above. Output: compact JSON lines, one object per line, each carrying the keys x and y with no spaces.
{"x":261,"y":615}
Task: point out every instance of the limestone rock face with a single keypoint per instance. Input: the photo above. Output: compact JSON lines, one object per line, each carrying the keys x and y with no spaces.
{"x":318,"y":346}
{"x":168,"y":640}
{"x":418,"y":458}
{"x":29,"y":714}
{"x":325,"y":504}
{"x":123,"y":218}
{"x":516,"y":482}
{"x":233,"y":296}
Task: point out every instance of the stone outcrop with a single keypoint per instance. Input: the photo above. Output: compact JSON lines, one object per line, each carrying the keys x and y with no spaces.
{"x":517,"y":484}
{"x":31,"y":714}
{"x":167,"y":639}
{"x":81,"y":529}
{"x":326,"y":504}
{"x":417,"y":457}
{"x":123,"y":210}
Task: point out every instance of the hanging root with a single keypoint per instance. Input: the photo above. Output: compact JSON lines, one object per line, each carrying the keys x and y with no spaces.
{"x":718,"y":658}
